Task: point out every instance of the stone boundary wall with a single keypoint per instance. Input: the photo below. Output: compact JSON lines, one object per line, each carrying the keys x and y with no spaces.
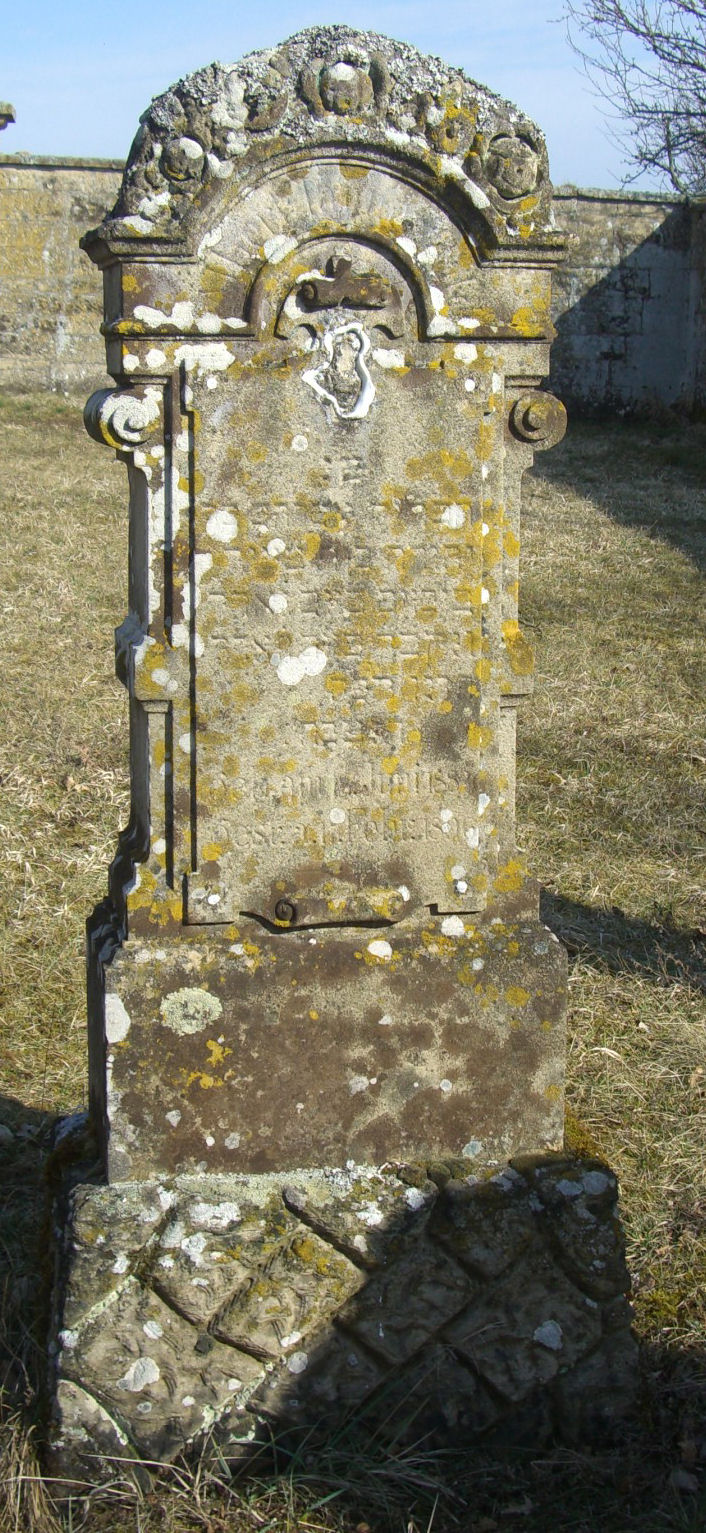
{"x":628,"y":304}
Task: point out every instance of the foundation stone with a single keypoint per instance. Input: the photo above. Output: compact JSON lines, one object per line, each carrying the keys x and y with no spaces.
{"x":322,"y":1007}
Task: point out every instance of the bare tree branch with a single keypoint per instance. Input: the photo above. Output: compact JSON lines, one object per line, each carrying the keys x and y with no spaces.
{"x":647,"y":59}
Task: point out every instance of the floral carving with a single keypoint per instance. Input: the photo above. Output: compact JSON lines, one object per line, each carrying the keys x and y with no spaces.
{"x":383,"y":96}
{"x":182,"y":159}
{"x":511,"y":165}
{"x":446,"y":121}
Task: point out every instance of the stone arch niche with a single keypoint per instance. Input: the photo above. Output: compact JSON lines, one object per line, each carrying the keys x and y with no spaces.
{"x":327,"y":315}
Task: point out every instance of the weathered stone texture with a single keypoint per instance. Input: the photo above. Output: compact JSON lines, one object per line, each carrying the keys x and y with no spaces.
{"x":50,"y":301}
{"x":270,"y":1049}
{"x":215,"y":1310}
{"x":328,"y":336}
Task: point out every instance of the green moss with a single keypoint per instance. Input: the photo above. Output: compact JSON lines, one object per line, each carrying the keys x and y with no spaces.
{"x":578,"y":1139}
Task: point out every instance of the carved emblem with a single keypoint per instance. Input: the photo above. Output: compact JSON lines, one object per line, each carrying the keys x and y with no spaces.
{"x":267,"y":101}
{"x":342,"y":378}
{"x":511,"y":165}
{"x":448,"y":125}
{"x":340,"y":287}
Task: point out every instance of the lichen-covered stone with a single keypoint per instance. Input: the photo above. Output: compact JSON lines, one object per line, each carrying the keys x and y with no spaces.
{"x":238,"y":1314}
{"x":327,"y":285}
{"x":326,"y":410}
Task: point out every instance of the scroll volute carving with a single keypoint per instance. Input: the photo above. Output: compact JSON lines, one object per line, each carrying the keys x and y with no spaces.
{"x":539,"y":419}
{"x":123,"y":418}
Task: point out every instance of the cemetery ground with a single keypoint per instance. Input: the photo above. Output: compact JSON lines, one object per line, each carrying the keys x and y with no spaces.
{"x":611,"y":764}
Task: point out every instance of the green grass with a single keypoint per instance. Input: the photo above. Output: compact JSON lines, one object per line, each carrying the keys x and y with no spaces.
{"x":611,"y":765}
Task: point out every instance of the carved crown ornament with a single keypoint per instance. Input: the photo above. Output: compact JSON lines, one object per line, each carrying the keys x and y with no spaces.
{"x":330,"y":90}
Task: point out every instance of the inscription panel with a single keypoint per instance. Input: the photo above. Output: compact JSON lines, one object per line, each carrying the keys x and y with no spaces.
{"x":344,"y":744}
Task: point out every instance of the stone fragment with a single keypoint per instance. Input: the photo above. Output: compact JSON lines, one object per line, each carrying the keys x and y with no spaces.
{"x":381,"y":1317}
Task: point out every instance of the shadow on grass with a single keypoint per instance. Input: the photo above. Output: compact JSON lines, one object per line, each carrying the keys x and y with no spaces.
{"x":624,"y":473}
{"x":607,"y":937}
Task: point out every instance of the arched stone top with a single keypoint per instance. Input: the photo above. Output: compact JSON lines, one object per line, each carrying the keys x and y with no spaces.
{"x":330,"y":90}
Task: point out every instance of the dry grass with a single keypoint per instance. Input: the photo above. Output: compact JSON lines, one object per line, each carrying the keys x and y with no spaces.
{"x":611,"y":813}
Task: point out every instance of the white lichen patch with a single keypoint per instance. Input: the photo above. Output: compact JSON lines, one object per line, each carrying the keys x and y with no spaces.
{"x":380,"y":948}
{"x":452,"y":926}
{"x":218,"y":1216}
{"x":595,"y":1183}
{"x":279,"y":246}
{"x":549,"y":1334}
{"x":140,"y":1374}
{"x":117,"y":1020}
{"x":291,"y":669}
{"x":190,"y":1011}
{"x":222,"y":525}
{"x":454,"y":516}
{"x":337,"y":816}
{"x":194,"y":1246}
{"x":388,"y":356}
{"x":300,"y":443}
{"x":371,"y":1215}
{"x":465,"y":351}
{"x":275,"y":547}
{"x":358,"y":1083}
{"x":204,"y":356}
{"x":277,"y":602}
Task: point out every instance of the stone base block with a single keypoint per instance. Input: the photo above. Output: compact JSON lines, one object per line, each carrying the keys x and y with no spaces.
{"x":220,"y":1311}
{"x":243,"y":1050}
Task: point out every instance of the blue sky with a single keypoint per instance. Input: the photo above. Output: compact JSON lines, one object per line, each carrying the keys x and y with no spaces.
{"x":79,"y":74}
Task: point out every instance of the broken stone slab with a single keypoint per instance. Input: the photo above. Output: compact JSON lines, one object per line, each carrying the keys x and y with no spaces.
{"x":200,"y":1314}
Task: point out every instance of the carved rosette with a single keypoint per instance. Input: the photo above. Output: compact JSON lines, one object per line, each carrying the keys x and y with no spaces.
{"x":539,"y":419}
{"x":123,"y":418}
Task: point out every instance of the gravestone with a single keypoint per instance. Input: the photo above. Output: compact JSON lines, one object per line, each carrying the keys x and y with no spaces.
{"x":323,"y":1012}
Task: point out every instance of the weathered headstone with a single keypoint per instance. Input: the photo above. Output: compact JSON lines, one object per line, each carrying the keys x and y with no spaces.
{"x":327,"y":291}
